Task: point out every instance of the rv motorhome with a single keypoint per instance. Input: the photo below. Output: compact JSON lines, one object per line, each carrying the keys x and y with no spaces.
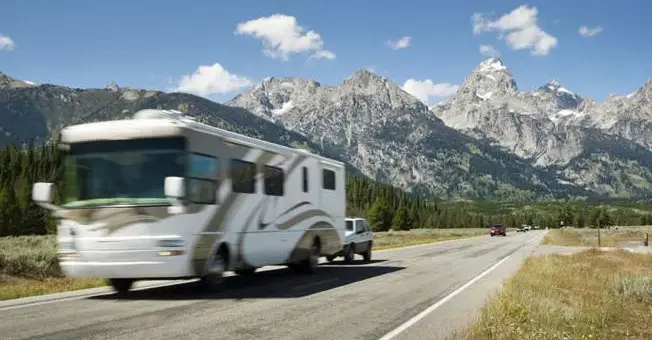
{"x":162,"y":196}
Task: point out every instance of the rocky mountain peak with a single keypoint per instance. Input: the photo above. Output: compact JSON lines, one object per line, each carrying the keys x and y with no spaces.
{"x":647,"y":87}
{"x":365,"y":78}
{"x":490,"y":78}
{"x":490,"y":65}
{"x":8,"y":82}
{"x":553,"y":84}
{"x":112,"y":86}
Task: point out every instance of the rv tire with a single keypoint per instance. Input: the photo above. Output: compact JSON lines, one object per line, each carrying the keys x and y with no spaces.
{"x":246,"y":272}
{"x":121,"y":286}
{"x":216,"y":266}
{"x":310,"y":263}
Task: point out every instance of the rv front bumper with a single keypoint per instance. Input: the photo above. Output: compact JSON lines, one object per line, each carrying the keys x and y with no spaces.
{"x":125,"y":264}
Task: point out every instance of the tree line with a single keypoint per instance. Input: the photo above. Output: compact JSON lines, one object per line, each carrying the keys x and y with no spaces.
{"x":384,"y":206}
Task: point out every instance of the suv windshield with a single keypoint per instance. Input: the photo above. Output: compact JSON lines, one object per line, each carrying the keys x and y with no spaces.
{"x":121,"y":172}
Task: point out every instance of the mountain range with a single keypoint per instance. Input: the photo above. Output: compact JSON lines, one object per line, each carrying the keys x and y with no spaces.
{"x":489,"y":141}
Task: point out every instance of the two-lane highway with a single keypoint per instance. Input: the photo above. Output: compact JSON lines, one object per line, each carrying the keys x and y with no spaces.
{"x":410,"y":293}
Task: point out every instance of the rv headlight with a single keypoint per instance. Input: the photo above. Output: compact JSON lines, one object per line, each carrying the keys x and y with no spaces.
{"x":170,"y":243}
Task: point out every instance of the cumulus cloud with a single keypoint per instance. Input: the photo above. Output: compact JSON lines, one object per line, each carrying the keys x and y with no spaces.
{"x":402,"y":43}
{"x":6,"y":44}
{"x":489,"y":51}
{"x":518,"y":28}
{"x":282,"y":36}
{"x":211,"y":79}
{"x":589,"y":32}
{"x":425,"y":89}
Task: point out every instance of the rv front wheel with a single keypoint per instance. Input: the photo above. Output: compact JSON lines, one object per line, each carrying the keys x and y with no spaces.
{"x":121,"y":286}
{"x":215,"y":271}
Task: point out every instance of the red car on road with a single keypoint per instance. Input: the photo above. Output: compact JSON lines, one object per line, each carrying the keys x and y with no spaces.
{"x":497,"y":229}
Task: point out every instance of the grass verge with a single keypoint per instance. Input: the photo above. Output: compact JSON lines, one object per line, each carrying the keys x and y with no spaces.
{"x":589,"y":295}
{"x":397,"y":239}
{"x":29,"y":265}
{"x":589,"y":237}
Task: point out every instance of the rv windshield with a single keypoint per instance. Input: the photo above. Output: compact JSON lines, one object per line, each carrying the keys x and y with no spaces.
{"x":123,"y":172}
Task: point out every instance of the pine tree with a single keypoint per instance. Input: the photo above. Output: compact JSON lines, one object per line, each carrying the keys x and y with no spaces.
{"x":379,"y":217}
{"x":401,"y":219}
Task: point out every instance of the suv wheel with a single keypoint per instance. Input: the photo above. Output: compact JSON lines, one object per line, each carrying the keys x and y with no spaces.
{"x":349,"y":253}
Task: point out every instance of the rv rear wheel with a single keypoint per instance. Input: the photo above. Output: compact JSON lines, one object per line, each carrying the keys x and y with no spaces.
{"x":311,"y":261}
{"x":121,"y":286}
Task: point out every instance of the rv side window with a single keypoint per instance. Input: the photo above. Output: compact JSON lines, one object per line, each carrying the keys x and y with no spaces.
{"x":243,"y":176}
{"x":204,"y":166}
{"x":328,"y":177}
{"x":305,"y":179}
{"x":202,"y":178}
{"x":274,"y":180}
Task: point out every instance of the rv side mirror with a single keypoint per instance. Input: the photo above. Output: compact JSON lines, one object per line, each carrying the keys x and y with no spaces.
{"x":42,"y":192}
{"x":175,"y":187}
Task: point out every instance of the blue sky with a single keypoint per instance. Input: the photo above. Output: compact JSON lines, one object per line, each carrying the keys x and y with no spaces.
{"x":153,"y":43}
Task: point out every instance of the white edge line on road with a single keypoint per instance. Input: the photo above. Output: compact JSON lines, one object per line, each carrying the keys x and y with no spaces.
{"x":439,"y":303}
{"x":85,"y":296}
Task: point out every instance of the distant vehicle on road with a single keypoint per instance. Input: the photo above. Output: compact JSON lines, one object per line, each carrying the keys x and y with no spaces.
{"x":497,"y":229}
{"x":358,"y":240}
{"x":521,"y":229}
{"x":162,"y":196}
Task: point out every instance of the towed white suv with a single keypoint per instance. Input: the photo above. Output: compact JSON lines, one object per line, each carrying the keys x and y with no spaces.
{"x":358,"y":240}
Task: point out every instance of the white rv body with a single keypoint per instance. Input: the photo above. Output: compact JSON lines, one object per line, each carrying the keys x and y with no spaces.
{"x":259,"y":203}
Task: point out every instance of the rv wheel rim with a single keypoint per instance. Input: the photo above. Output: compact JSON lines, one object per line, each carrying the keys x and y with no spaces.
{"x":217,"y":266}
{"x":314,"y":258}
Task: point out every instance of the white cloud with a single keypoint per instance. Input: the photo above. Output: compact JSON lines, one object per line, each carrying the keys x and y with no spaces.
{"x":6,"y":44}
{"x":589,"y":32}
{"x":489,"y":51}
{"x":404,"y":42}
{"x":323,"y":54}
{"x":282,"y":36}
{"x":424,"y":89}
{"x":521,"y":28}
{"x":211,"y":79}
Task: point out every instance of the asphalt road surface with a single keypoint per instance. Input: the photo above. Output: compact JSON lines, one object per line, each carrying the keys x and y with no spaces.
{"x":420,"y":292}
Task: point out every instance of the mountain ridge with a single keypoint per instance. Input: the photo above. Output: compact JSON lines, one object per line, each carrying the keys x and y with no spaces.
{"x":382,"y":132}
{"x":488,"y":106}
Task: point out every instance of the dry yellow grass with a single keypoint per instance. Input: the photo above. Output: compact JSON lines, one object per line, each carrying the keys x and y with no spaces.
{"x":589,"y":237}
{"x":589,"y":295}
{"x":29,"y":266}
{"x":397,"y":239}
{"x":16,"y":287}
